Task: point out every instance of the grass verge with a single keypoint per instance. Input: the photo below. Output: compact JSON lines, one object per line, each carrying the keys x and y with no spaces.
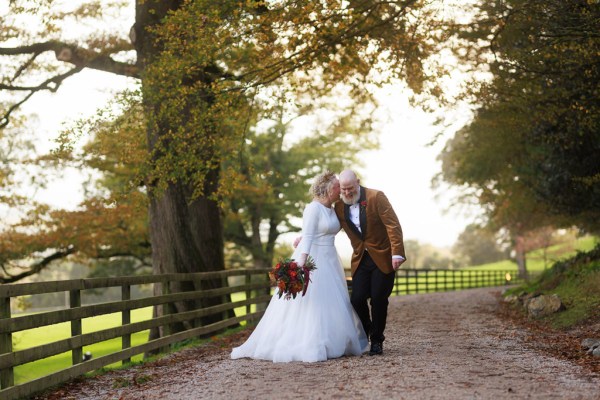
{"x":577,"y":282}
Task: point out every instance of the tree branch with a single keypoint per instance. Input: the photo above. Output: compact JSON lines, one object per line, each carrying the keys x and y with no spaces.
{"x":79,"y":57}
{"x":51,"y":84}
{"x":37,"y":267}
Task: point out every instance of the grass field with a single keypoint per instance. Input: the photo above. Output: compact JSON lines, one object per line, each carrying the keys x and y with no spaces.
{"x":540,"y":260}
{"x":48,"y":334}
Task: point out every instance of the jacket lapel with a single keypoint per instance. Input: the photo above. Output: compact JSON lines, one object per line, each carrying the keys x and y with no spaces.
{"x":362,"y":212}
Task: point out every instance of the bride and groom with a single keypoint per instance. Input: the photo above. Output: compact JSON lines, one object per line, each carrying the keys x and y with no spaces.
{"x":326,"y":323}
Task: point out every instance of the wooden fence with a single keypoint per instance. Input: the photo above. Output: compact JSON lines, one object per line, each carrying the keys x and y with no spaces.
{"x":253,"y":283}
{"x":411,"y":281}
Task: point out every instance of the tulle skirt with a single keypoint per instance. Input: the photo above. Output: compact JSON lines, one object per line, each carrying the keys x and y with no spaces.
{"x":315,"y":327}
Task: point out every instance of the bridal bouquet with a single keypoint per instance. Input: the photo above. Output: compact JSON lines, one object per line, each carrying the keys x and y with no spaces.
{"x":290,"y":278}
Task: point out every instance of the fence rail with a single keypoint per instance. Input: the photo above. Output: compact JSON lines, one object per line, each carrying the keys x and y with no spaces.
{"x":252,"y":283}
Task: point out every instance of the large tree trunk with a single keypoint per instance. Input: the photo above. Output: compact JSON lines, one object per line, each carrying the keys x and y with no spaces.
{"x":186,"y":235}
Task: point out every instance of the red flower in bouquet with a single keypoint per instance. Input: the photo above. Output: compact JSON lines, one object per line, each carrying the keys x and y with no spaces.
{"x":291,"y":279}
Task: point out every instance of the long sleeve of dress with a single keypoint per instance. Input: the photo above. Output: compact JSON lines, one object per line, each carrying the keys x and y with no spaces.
{"x":310,"y":223}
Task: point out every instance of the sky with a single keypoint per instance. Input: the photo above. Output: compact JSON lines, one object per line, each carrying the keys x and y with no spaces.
{"x":402,"y":167}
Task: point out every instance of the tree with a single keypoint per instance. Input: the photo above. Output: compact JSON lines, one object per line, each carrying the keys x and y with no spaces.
{"x":478,"y":246}
{"x":271,"y":193}
{"x":529,"y":155}
{"x":200,"y":65}
{"x":542,"y":57}
{"x":479,"y":159}
{"x":109,"y":226}
{"x":435,"y":260}
{"x":413,"y":253}
{"x":274,"y":172}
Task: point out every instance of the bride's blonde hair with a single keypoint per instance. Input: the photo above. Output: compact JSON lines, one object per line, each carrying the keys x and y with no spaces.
{"x":322,"y":185}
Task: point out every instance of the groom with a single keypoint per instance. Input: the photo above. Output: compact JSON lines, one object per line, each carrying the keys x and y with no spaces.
{"x":376,"y":237}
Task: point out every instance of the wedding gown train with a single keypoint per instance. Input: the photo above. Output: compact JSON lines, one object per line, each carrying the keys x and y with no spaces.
{"x":320,"y":325}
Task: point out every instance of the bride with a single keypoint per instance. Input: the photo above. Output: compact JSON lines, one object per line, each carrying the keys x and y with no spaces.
{"x":322,"y":324}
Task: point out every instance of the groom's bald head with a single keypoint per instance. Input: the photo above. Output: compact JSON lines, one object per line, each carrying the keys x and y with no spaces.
{"x":349,"y":187}
{"x":348,"y":176}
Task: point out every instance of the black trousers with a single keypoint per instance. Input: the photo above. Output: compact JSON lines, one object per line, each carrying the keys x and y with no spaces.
{"x":369,"y":282}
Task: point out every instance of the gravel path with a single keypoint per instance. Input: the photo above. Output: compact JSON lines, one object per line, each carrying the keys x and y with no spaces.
{"x":439,"y":346}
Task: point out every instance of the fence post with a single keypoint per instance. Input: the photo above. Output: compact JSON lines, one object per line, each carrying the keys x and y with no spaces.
{"x":454,"y":272}
{"x":126,"y":320}
{"x":248,"y":281}
{"x":471,"y":279}
{"x":7,"y":377}
{"x":416,"y":282}
{"x":267,"y":291}
{"x":446,"y":280}
{"x":74,"y":302}
{"x":166,"y":310}
{"x":226,"y":298}
{"x":405,"y":277}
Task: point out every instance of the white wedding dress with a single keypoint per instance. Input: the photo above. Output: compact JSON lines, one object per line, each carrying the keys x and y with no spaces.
{"x":320,"y":325}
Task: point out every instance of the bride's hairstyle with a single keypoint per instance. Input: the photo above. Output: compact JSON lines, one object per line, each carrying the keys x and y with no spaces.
{"x":322,"y":185}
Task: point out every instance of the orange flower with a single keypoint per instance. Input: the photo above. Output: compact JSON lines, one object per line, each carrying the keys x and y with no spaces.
{"x":281,"y":286}
{"x":291,"y":279}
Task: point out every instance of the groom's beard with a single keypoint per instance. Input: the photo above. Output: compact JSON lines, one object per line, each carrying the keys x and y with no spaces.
{"x":352,"y":199}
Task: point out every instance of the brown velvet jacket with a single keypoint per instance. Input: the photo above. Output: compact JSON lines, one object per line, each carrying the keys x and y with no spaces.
{"x":380,"y":233}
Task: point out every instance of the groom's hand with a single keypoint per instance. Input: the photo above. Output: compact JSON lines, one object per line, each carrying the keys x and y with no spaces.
{"x":397,"y":262}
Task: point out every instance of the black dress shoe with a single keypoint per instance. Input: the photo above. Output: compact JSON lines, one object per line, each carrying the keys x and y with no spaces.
{"x":376,"y":349}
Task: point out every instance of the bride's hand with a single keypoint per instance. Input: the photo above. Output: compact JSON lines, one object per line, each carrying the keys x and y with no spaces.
{"x":302,"y":260}
{"x":297,"y":241}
